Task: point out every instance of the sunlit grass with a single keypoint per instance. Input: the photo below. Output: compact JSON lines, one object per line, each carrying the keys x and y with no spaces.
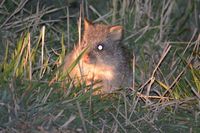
{"x":36,"y":95}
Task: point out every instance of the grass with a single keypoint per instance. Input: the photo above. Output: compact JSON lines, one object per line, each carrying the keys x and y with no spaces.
{"x":34,"y":93}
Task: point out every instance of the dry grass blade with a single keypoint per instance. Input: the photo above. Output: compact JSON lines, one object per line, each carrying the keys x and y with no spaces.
{"x":68,"y":25}
{"x":99,"y":15}
{"x":15,"y":101}
{"x":42,"y":51}
{"x":20,"y":7}
{"x":174,"y":82}
{"x":18,"y":64}
{"x":44,"y":100}
{"x":81,"y":116}
{"x":119,"y":123}
{"x":128,"y":122}
{"x":133,"y":68}
{"x":29,"y":55}
{"x":146,"y":97}
{"x":66,"y":124}
{"x":152,"y":79}
{"x":166,"y":87}
{"x":115,"y":5}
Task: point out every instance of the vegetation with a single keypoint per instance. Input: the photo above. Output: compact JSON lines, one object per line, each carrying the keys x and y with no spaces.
{"x":35,"y":96}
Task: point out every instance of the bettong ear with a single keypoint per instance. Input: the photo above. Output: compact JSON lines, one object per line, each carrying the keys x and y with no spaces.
{"x":116,"y":32}
{"x":87,"y":24}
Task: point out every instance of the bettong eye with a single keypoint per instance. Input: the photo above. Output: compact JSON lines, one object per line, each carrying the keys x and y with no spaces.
{"x":100,"y":47}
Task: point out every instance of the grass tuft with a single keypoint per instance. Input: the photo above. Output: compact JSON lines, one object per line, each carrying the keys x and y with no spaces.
{"x":37,"y":96}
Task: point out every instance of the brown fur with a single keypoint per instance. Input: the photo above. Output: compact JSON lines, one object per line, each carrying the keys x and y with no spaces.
{"x":110,"y":65}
